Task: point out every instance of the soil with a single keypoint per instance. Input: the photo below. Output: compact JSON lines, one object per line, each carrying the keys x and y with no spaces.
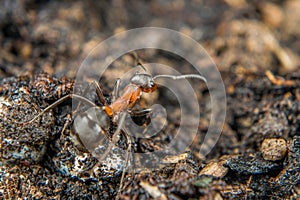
{"x":256,"y":47}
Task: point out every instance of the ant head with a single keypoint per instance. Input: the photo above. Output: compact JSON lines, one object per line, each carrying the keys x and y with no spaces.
{"x":144,"y":81}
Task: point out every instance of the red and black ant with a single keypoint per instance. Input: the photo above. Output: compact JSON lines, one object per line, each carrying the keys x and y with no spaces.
{"x":116,"y":110}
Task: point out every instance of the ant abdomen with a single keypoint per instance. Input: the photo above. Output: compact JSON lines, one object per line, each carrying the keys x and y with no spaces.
{"x":91,"y":127}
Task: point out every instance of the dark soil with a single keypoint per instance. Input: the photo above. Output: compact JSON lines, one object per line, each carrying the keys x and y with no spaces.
{"x":256,"y":47}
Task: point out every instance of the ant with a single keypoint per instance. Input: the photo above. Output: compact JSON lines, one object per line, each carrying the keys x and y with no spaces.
{"x":117,"y":110}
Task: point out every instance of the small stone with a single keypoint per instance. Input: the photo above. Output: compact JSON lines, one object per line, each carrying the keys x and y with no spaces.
{"x":203,"y":181}
{"x":26,"y":50}
{"x":175,"y":159}
{"x":153,"y":190}
{"x":215,"y":169}
{"x":273,"y":149}
{"x":249,"y":165}
{"x":272,"y":14}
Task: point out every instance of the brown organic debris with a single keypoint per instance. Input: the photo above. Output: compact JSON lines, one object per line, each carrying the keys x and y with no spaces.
{"x":279,"y":80}
{"x":153,"y":191}
{"x":274,"y":149}
{"x":215,"y":169}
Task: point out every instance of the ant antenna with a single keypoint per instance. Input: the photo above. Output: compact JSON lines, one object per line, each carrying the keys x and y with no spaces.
{"x":181,"y":77}
{"x":138,"y":61}
{"x":141,"y":66}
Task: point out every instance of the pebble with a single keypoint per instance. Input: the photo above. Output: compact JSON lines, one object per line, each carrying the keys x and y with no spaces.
{"x":215,"y":169}
{"x":272,"y":14}
{"x":249,"y":165}
{"x":273,"y":149}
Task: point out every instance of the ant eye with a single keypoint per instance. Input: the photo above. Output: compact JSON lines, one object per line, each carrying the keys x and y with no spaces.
{"x":151,"y":83}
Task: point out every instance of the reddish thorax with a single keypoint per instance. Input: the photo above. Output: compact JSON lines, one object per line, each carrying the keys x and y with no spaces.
{"x":131,"y":94}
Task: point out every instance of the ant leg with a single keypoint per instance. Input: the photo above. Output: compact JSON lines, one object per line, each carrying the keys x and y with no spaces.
{"x":196,"y":76}
{"x":99,"y":93}
{"x":148,"y":121}
{"x":115,"y":136}
{"x":135,"y":57}
{"x":113,"y":142}
{"x":116,"y":90}
{"x":84,"y":93}
{"x":68,"y":121}
{"x":141,"y":66}
{"x":141,"y":112}
{"x":138,"y":61}
{"x":56,"y":103}
{"x":128,"y":150}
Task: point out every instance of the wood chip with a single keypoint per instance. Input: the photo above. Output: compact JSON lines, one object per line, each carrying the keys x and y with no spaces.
{"x":273,"y":149}
{"x":153,"y":190}
{"x":215,"y":169}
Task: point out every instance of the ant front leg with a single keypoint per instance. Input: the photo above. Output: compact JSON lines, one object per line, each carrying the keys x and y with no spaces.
{"x":141,"y":117}
{"x":147,"y":122}
{"x":142,"y":112}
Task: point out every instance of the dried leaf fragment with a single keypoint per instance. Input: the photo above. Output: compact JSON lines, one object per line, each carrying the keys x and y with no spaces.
{"x":215,"y":169}
{"x":153,"y":190}
{"x":273,"y":149}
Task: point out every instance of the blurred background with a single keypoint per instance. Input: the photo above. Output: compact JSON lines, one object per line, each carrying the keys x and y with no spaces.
{"x":255,"y":45}
{"x":55,"y":36}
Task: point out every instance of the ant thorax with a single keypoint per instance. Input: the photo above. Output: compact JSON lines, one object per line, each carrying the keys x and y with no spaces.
{"x":130,"y":96}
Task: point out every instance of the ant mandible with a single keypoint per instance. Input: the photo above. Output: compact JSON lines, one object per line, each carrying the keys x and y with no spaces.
{"x":119,"y":107}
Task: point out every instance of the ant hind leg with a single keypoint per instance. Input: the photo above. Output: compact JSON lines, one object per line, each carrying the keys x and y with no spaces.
{"x":56,"y":103}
